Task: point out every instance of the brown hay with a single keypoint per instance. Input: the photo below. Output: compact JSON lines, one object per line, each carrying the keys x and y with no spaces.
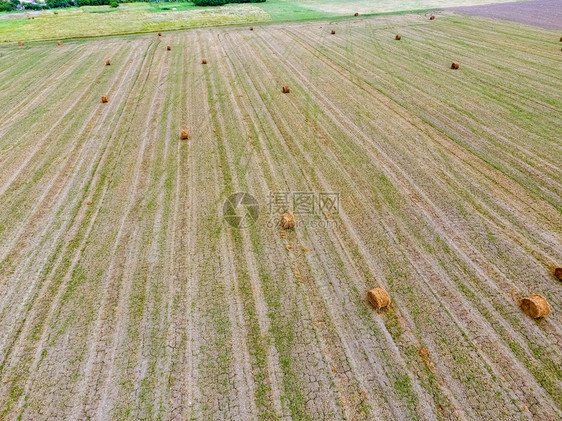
{"x":455,"y":66}
{"x":168,"y":48}
{"x":59,"y":42}
{"x":104,"y":99}
{"x":185,"y":134}
{"x":251,"y":28}
{"x":560,"y":39}
{"x":89,"y":202}
{"x":432,"y":17}
{"x":378,"y":298}
{"x":108,"y":62}
{"x":398,"y":38}
{"x":159,"y":34}
{"x":535,"y":306}
{"x":424,"y":353}
{"x":20,"y":43}
{"x":333,"y":32}
{"x":204,"y":61}
{"x":558,"y":273}
{"x":356,"y":14}
{"x":286,"y":89}
{"x":287,"y":221}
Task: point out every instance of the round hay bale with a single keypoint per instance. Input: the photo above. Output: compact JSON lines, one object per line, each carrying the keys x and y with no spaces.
{"x":378,"y":298}
{"x":333,"y":32}
{"x":286,"y":89}
{"x":535,"y":306}
{"x":356,"y":14}
{"x":89,"y":202}
{"x":185,"y":134}
{"x":432,"y":17}
{"x":168,"y":48}
{"x":560,"y":39}
{"x":455,"y":66}
{"x":398,"y":38}
{"x":204,"y":61}
{"x":104,"y":99}
{"x":558,"y":273}
{"x":251,"y":28}
{"x":108,"y":62}
{"x":288,"y":221}
{"x":159,"y":34}
{"x":20,"y":43}
{"x":59,"y":42}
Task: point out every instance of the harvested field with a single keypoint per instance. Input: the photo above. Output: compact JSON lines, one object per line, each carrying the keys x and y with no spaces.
{"x":146,"y":304}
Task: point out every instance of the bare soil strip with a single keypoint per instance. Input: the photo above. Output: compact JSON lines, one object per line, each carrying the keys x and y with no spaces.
{"x":544,"y":13}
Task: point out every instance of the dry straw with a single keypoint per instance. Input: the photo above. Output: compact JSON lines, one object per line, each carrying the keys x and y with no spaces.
{"x":356,"y":14}
{"x":104,"y":99}
{"x":287,"y":221}
{"x":378,"y":298}
{"x":286,"y":89}
{"x":398,"y":38}
{"x":455,"y":66}
{"x":432,"y":17}
{"x":20,"y":43}
{"x":558,"y":273}
{"x":59,"y":42}
{"x":204,"y":61}
{"x":535,"y":306}
{"x":185,"y":134}
{"x":108,"y":62}
{"x":251,"y":28}
{"x":333,"y":32}
{"x":168,"y":48}
{"x":159,"y":34}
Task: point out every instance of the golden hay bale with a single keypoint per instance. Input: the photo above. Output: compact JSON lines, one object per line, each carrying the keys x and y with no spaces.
{"x":168,"y":48}
{"x":455,"y":66}
{"x":104,"y":99}
{"x":159,"y":34}
{"x":398,"y":37}
{"x":204,"y":61}
{"x":89,"y":202}
{"x":108,"y":62}
{"x":558,"y":273}
{"x":356,"y":14}
{"x":59,"y":42}
{"x":333,"y":32}
{"x":432,"y":17}
{"x":560,"y":39}
{"x":286,"y":89}
{"x":20,"y":43}
{"x":288,"y":221}
{"x":535,"y":306}
{"x":251,"y":28}
{"x":184,"y":134}
{"x":378,"y":298}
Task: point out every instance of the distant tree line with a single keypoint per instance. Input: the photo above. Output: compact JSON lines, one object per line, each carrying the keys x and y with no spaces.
{"x":10,"y":5}
{"x":55,"y":4}
{"x":221,"y":2}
